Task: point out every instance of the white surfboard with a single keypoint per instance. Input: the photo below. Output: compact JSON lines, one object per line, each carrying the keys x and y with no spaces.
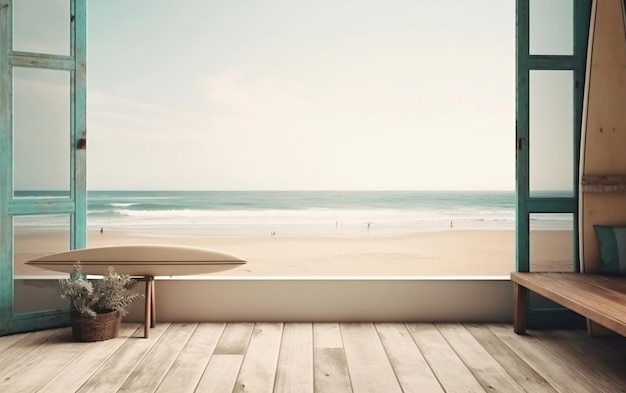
{"x":141,"y":260}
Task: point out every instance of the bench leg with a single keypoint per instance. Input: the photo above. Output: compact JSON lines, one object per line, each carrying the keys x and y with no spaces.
{"x":520,"y":308}
{"x":153,"y":304}
{"x":149,"y":317}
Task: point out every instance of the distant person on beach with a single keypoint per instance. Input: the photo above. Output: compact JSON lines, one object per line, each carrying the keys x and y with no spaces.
{"x":102,"y":230}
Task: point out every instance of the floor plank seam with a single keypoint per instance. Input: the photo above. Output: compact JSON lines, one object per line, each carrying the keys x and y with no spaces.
{"x":211,"y":357}
{"x":312,"y":358}
{"x":469,"y":368}
{"x":245,"y":352}
{"x":345,"y":356}
{"x":495,"y":358}
{"x":280,"y":345}
{"x":87,"y":347}
{"x":428,"y":362}
{"x":386,"y":351}
{"x":542,"y":341}
{"x":138,"y":331}
{"x":529,"y":337}
{"x":145,"y":354}
{"x":522,"y":358}
{"x":173,"y":360}
{"x":195,"y":330}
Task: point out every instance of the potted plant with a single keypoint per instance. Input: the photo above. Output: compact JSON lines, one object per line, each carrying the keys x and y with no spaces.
{"x":97,"y":308}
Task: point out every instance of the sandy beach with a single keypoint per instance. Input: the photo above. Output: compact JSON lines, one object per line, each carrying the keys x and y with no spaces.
{"x":444,"y":253}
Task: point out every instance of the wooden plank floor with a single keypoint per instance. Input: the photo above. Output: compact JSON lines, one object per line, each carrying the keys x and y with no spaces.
{"x":315,"y":358}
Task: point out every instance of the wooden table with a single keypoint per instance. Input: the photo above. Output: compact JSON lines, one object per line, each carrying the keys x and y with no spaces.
{"x":142,"y":261}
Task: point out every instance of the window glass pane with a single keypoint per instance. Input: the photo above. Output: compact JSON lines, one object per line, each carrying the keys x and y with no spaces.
{"x":551,"y":242}
{"x":551,"y":27}
{"x":551,"y":140}
{"x":41,"y":129}
{"x":33,"y":237}
{"x":41,"y":26}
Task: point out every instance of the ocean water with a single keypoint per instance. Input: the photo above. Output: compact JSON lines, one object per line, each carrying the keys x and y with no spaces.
{"x":327,"y":213}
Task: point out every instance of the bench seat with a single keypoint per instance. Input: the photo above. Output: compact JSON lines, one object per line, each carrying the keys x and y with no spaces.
{"x":601,"y":299}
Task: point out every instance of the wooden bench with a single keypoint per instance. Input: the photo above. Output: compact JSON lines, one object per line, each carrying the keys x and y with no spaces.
{"x":601,"y":299}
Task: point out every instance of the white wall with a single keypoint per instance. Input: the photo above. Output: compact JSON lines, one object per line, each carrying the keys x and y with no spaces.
{"x":291,"y":299}
{"x":332,"y":299}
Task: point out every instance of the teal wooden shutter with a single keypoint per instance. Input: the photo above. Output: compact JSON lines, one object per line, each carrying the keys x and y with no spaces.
{"x":57,"y":67}
{"x":550,"y":71}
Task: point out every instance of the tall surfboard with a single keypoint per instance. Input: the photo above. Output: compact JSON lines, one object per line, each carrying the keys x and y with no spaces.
{"x":602,"y":199}
{"x":603,"y":138}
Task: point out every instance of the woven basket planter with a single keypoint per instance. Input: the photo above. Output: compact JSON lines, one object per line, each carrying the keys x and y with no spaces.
{"x":99,"y":328}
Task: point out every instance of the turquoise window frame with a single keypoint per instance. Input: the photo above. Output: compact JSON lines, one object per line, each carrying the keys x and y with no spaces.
{"x":527,"y":204}
{"x":76,"y":205}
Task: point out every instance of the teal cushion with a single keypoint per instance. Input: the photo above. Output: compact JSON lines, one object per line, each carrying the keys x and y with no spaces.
{"x":612,"y":241}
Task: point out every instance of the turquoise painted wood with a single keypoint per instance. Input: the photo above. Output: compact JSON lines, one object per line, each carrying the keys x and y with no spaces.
{"x":551,"y":62}
{"x":542,"y":315}
{"x":6,"y":282}
{"x":79,"y":129}
{"x":522,"y":218}
{"x":54,"y":62}
{"x":582,"y":17}
{"x":552,"y":205}
{"x":526,"y":203}
{"x":75,"y":206}
{"x":41,"y":206}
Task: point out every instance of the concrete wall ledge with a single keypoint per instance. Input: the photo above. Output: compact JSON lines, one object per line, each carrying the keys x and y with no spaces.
{"x":331,"y":299}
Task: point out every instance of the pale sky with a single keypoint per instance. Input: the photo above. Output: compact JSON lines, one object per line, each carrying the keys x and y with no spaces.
{"x":282,"y":95}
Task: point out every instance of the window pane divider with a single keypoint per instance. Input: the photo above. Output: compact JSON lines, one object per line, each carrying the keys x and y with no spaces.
{"x":43,"y":206}
{"x":24,"y":59}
